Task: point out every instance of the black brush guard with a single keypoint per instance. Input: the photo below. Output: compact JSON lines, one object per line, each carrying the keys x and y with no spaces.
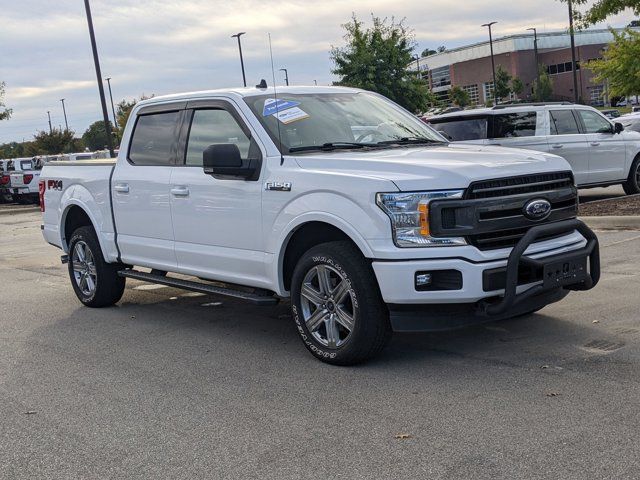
{"x":573,"y":277}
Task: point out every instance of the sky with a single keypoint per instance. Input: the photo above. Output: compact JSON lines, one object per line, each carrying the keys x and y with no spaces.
{"x":161,"y":47}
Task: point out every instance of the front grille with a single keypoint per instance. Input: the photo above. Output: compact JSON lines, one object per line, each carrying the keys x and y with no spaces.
{"x":503,"y":187}
{"x":491,"y":215}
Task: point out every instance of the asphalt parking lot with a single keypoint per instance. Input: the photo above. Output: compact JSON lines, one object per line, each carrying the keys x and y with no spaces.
{"x":173,"y":385}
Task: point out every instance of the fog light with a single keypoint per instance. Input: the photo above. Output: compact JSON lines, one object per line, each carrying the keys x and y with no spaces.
{"x":423,"y":279}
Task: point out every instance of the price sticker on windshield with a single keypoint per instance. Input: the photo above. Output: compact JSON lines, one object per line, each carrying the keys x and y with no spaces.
{"x":291,"y":115}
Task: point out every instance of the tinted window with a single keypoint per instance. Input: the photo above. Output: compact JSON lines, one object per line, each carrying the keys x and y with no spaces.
{"x":460,"y":129}
{"x":594,"y":123}
{"x":563,"y":122}
{"x":211,"y":127}
{"x":513,"y":125}
{"x":154,"y":138}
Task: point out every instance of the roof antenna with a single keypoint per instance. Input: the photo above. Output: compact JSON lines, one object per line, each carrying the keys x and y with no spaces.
{"x":275,"y":96}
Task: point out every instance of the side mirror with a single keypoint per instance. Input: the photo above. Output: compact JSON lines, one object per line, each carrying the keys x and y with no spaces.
{"x":618,"y":127}
{"x":225,"y":159}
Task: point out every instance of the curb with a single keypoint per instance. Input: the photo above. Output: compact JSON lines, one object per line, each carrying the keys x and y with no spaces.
{"x":630,"y":222}
{"x":15,"y":211}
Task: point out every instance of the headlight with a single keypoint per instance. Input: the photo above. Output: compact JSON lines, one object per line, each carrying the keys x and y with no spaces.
{"x":409,"y":214}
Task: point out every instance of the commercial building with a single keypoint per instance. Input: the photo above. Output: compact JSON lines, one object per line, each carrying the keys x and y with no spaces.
{"x":469,"y":67}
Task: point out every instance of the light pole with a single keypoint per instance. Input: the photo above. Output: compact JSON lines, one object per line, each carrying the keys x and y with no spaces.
{"x":64,"y":111}
{"x":573,"y":53}
{"x":493,"y":64}
{"x":286,"y":76}
{"x":49,"y":115}
{"x":535,"y":49}
{"x":315,"y":82}
{"x":96,"y":62}
{"x":418,"y":66}
{"x":115,"y":120}
{"x":238,"y":35}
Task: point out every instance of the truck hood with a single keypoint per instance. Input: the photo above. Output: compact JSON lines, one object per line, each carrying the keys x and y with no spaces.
{"x":435,"y":167}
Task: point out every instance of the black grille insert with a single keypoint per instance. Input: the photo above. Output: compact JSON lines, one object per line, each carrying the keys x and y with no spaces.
{"x":503,"y":187}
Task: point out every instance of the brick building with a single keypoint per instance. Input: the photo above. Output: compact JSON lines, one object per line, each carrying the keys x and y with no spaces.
{"x":469,"y":67}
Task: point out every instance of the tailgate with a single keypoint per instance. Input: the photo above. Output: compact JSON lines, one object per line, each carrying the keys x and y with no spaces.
{"x":16,"y":180}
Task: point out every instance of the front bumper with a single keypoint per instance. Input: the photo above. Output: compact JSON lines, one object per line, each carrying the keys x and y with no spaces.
{"x":476,"y":294}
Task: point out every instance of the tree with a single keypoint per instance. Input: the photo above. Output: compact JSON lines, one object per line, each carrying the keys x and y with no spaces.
{"x":5,"y":113}
{"x":501,"y":89}
{"x":601,"y":9}
{"x":459,"y":96}
{"x":427,"y":51}
{"x":123,"y":112}
{"x":517,"y":87}
{"x":95,"y":138}
{"x":378,"y":59}
{"x":442,"y":49}
{"x":52,"y":143}
{"x":619,"y":67}
{"x":543,"y":90}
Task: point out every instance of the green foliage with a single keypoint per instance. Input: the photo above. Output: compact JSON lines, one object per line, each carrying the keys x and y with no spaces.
{"x":427,"y":51}
{"x":378,"y":59}
{"x":543,"y":91}
{"x":517,"y":86}
{"x":459,"y":96}
{"x":502,"y":88}
{"x":601,"y":9}
{"x":124,"y":110}
{"x":5,"y":113}
{"x":620,"y":64}
{"x":52,"y":143}
{"x":95,"y":138}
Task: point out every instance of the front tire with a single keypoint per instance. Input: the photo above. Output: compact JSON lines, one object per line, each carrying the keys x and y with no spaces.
{"x":95,"y":282}
{"x":337,"y":306}
{"x":632,"y":185}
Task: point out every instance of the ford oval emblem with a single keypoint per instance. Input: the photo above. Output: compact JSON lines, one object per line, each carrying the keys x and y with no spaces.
{"x":537,"y":209}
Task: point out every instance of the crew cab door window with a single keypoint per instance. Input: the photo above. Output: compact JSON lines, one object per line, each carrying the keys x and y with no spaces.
{"x":563,"y":123}
{"x":154,"y":139}
{"x":210,"y":127}
{"x":594,"y":123}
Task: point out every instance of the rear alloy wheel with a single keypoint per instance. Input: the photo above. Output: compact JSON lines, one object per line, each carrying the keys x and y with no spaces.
{"x":337,"y":306}
{"x":632,"y":185}
{"x":95,"y":282}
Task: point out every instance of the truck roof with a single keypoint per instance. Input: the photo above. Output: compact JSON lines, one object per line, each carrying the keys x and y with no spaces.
{"x":247,"y":92}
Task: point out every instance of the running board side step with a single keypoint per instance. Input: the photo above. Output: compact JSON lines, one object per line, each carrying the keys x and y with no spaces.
{"x":256,"y":299}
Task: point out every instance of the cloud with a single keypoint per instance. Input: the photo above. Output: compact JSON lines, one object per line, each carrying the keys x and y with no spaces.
{"x":153,"y":46}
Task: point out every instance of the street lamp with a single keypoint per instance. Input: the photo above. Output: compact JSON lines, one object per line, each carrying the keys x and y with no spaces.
{"x":96,"y":62}
{"x":493,"y":65}
{"x":418,"y":66}
{"x":238,"y":35}
{"x":49,"y":115}
{"x":535,"y":49}
{"x":286,"y":76}
{"x":115,"y":121}
{"x":64,"y":111}
{"x":573,"y":53}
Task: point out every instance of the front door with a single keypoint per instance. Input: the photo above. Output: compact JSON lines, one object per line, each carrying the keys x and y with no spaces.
{"x":217,"y":222}
{"x":140,"y":190}
{"x":607,"y":150}
{"x":566,"y":140}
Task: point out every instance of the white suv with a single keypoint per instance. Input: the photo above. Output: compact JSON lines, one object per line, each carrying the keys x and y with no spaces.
{"x":599,"y":151}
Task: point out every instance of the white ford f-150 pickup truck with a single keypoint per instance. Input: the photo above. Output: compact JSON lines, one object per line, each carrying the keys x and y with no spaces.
{"x":337,"y":198}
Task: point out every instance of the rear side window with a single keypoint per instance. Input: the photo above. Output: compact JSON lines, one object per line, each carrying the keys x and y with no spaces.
{"x":154,"y":138}
{"x":563,"y":122}
{"x":461,"y":129}
{"x":514,"y":125}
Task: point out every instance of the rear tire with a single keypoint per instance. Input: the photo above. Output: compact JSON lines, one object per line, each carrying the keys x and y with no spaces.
{"x":632,"y":185}
{"x":95,"y":282}
{"x":336,"y":305}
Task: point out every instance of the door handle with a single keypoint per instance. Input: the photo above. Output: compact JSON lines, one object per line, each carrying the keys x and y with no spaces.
{"x":595,"y":144}
{"x":557,"y":145}
{"x":121,"y":187}
{"x":180,"y":191}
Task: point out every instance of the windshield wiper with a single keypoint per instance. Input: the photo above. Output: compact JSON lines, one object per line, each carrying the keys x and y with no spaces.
{"x":327,"y":147}
{"x":409,"y":141}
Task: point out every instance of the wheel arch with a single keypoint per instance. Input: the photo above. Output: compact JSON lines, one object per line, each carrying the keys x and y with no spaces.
{"x":74,"y":216}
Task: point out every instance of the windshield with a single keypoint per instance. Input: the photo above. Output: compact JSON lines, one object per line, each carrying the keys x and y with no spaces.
{"x":326,"y":121}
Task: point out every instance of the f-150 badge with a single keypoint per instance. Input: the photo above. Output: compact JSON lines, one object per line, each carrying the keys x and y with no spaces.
{"x":278,"y":186}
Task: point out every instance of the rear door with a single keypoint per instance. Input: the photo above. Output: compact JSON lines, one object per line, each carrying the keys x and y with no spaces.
{"x":607,"y":150}
{"x":141,"y":189}
{"x":217,"y":221}
{"x":566,"y":140}
{"x":519,"y":130}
